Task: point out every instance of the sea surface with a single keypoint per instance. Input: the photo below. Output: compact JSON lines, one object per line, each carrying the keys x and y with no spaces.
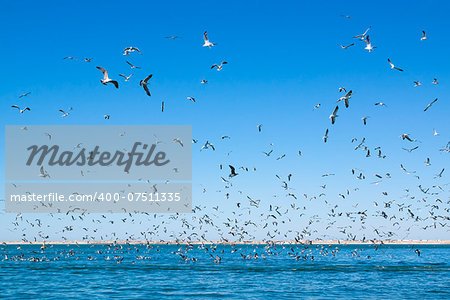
{"x":226,"y":272}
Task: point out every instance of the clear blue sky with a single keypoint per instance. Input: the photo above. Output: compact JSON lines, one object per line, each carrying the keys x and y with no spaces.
{"x":284,"y":57}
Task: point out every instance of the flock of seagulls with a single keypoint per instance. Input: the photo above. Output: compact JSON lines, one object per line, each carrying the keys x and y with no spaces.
{"x":251,"y":217}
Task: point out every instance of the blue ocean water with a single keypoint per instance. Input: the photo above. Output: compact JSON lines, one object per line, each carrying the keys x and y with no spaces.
{"x":223,"y":271}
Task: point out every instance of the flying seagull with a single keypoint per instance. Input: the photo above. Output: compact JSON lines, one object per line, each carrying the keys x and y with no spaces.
{"x":132,"y":66}
{"x":259,"y":127}
{"x":362,"y":36}
{"x":219,"y":67}
{"x":204,"y":81}
{"x":325,"y":137}
{"x":24,"y":95}
{"x":64,"y":114}
{"x":144,"y":84}
{"x":429,"y":105}
{"x":129,"y":50}
{"x":316,"y":106}
{"x":365,"y":120}
{"x":106,"y":79}
{"x":346,"y":98}
{"x":394,"y":67}
{"x":346,"y":47}
{"x":435,"y":81}
{"x":207,"y":42}
{"x":416,"y":83}
{"x":424,"y":36}
{"x":172,"y":37}
{"x":369,"y":46}
{"x":191,"y":98}
{"x":334,"y":115}
{"x":380,"y":104}
{"x":126,"y":77}
{"x":21,"y":110}
{"x":232,"y":171}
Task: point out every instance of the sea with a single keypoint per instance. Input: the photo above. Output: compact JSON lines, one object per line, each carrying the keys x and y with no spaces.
{"x":208,"y":271}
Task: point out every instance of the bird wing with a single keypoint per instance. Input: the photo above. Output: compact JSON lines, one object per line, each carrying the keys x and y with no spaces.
{"x":147,"y":78}
{"x":146,"y":90}
{"x":15,"y":106}
{"x":335,"y":110}
{"x":116,"y":84}
{"x":105,"y":73}
{"x":205,"y":36}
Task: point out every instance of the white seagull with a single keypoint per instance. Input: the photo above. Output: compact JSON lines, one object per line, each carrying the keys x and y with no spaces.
{"x":369,"y":46}
{"x":424,"y":36}
{"x":219,"y":67}
{"x":393,"y":67}
{"x":129,"y":50}
{"x":106,"y":79}
{"x":64,"y":114}
{"x":334,"y":115}
{"x":132,"y":66}
{"x":207,"y":42}
{"x":362,"y":36}
{"x":429,"y":105}
{"x":126,"y":77}
{"x":21,"y":110}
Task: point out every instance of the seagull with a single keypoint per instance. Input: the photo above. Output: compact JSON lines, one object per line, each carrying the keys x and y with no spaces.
{"x":21,"y":110}
{"x":394,"y":67}
{"x":369,"y":46}
{"x":232,"y":172}
{"x":435,"y":132}
{"x":342,"y":89}
{"x":429,"y":105}
{"x":172,"y":37}
{"x":380,"y":103}
{"x":129,"y":50}
{"x":440,"y":174}
{"x":204,"y":81}
{"x":219,"y":67}
{"x":70,"y":57}
{"x":416,"y":83}
{"x":87,"y":59}
{"x":191,"y":98}
{"x":162,"y":106}
{"x":325,"y":137}
{"x":365,"y":120}
{"x":346,"y":47}
{"x":334,"y":115}
{"x":106,"y":79}
{"x":43,"y":173}
{"x":259,"y":127}
{"x":177,"y":140}
{"x":144,"y":84}
{"x":427,"y":162}
{"x":362,"y":36}
{"x":435,"y":81}
{"x":107,"y":117}
{"x":406,"y":136}
{"x":132,"y":66}
{"x":424,"y":36}
{"x":24,"y":95}
{"x":207,"y":42}
{"x":64,"y":114}
{"x":411,"y":150}
{"x":316,"y":106}
{"x":346,"y":98}
{"x":126,"y":77}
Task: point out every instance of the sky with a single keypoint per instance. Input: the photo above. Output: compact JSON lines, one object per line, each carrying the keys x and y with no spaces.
{"x":283,"y":58}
